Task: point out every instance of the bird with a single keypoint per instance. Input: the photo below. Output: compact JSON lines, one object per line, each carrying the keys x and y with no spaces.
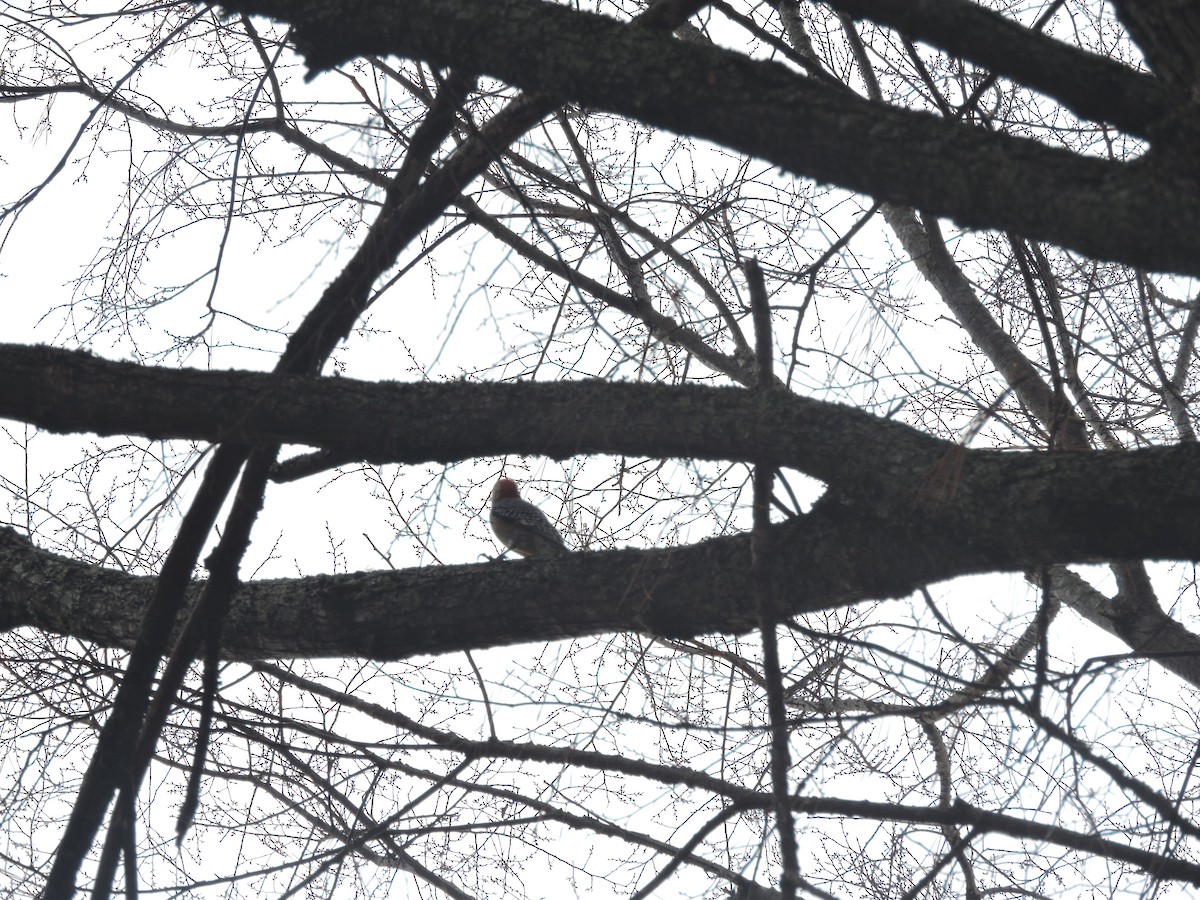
{"x":521,"y":526}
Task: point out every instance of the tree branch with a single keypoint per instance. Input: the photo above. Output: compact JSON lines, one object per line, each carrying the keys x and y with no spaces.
{"x":73,"y":391}
{"x":1105,"y":209}
{"x":1009,"y":512}
{"x":1093,"y":87}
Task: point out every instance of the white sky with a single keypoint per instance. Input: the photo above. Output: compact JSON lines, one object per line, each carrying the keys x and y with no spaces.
{"x":330,"y":523}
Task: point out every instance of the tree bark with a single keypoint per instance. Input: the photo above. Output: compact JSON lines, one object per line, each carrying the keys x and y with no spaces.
{"x":1005,"y":512}
{"x":1137,"y":213}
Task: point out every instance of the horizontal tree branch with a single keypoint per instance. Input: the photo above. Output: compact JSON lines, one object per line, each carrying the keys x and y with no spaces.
{"x":902,"y":510}
{"x":1139,"y":213}
{"x":856,"y":454}
{"x":73,"y":391}
{"x":1008,"y":512}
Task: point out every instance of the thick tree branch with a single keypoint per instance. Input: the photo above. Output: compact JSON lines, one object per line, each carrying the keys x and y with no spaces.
{"x":1008,"y":512}
{"x":1091,"y":86}
{"x":73,"y":391}
{"x":1134,"y":213}
{"x":1168,"y":33}
{"x":857,"y":454}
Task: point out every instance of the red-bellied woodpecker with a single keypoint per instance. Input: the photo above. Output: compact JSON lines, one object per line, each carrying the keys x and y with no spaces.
{"x":521,"y":526}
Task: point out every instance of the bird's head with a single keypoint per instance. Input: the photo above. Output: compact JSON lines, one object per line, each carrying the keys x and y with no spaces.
{"x":505,"y":489}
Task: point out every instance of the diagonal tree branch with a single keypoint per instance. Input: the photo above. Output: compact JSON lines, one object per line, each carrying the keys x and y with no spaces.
{"x":1093,"y":87}
{"x":762,"y":108}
